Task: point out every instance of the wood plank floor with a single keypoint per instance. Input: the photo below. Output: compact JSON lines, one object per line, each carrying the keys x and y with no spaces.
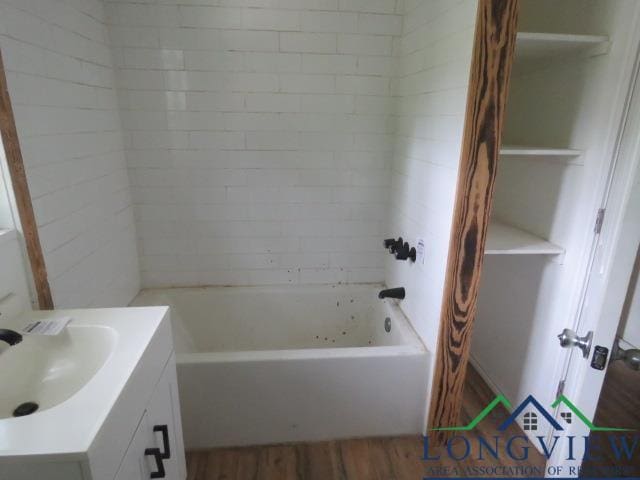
{"x":397,"y":458}
{"x":619,"y":407}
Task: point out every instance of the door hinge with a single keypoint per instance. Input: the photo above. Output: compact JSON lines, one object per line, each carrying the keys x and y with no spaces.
{"x":560,"y":390}
{"x":599,"y":221}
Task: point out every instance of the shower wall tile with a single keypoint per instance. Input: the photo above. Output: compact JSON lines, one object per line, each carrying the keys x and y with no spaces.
{"x":62,"y":86}
{"x":259,"y":137}
{"x":430,"y":95}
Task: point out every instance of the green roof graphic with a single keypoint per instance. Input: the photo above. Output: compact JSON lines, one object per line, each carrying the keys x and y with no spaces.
{"x":502,"y":400}
{"x":565,"y":401}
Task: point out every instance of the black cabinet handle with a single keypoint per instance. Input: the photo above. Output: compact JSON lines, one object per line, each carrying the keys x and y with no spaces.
{"x":157,"y":454}
{"x":165,"y":440}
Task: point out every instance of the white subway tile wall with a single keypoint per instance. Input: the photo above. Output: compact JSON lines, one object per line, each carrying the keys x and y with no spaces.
{"x":267,"y":141}
{"x":259,"y":137}
{"x":430,"y":93}
{"x":61,"y":82}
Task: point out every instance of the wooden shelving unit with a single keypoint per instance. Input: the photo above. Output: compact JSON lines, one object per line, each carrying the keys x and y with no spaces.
{"x":503,"y":239}
{"x":534,"y":46}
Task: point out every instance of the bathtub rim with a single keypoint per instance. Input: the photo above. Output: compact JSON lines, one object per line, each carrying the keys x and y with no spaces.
{"x":299,"y":354}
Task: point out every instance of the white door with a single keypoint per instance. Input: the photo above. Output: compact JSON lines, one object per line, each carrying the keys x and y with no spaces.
{"x":605,"y":292}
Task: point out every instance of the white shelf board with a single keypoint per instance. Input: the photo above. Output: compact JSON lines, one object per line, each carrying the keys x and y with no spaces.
{"x":517,"y":150}
{"x":503,"y":239}
{"x":568,"y":155}
{"x":540,"y":46}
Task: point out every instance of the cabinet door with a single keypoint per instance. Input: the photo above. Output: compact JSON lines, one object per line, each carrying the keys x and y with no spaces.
{"x":157,"y":448}
{"x":165,"y":424}
{"x":136,"y":465}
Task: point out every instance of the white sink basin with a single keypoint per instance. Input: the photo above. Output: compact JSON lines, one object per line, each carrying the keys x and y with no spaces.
{"x":47,"y":370}
{"x":75,"y":378}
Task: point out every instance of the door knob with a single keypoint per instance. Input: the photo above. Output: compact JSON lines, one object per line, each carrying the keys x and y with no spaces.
{"x":630,"y":357}
{"x":569,"y":339}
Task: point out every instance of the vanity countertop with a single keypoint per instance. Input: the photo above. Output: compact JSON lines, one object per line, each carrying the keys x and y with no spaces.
{"x":68,"y":429}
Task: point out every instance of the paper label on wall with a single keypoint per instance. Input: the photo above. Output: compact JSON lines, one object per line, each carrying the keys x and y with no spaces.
{"x":420,"y":251}
{"x":46,"y":327}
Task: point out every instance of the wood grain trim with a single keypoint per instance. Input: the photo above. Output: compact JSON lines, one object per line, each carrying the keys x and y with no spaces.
{"x":22,"y":196}
{"x":492,"y":59}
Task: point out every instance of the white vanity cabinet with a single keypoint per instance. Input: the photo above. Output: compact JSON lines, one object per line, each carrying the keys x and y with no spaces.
{"x":142,"y":436}
{"x":124,"y":423}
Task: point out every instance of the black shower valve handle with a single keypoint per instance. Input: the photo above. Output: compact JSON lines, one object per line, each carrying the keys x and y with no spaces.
{"x":388,"y":242}
{"x":406,"y":253}
{"x":403,"y":252}
{"x":401,"y":249}
{"x":396,"y":245}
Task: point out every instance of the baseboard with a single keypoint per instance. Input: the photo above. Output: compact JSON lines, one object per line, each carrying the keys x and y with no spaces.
{"x":485,"y":376}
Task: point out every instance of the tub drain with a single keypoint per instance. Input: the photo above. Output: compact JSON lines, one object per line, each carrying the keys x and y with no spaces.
{"x":387,"y":324}
{"x":25,"y":409}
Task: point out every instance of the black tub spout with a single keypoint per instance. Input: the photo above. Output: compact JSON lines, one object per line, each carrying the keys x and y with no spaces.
{"x":397,"y":293}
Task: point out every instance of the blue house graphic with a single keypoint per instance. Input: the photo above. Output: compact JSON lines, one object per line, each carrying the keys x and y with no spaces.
{"x":533,"y":402}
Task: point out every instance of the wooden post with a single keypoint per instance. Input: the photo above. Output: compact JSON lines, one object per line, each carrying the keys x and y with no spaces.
{"x":493,"y":53}
{"x":22,"y":196}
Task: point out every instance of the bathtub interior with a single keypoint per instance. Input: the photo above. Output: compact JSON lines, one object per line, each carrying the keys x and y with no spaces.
{"x":233,"y":319}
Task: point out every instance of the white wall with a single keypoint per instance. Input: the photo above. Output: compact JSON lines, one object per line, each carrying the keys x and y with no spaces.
{"x":13,"y":273}
{"x":13,"y":276}
{"x":6,"y":207}
{"x":61,"y":84}
{"x":631,"y":332}
{"x":259,"y":139}
{"x":435,"y":59}
{"x":629,"y":328}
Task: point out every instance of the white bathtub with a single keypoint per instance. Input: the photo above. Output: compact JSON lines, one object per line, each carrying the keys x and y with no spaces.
{"x":261,"y":365}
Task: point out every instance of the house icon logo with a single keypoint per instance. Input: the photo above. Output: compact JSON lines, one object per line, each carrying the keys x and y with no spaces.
{"x":533,"y":413}
{"x":530,"y":421}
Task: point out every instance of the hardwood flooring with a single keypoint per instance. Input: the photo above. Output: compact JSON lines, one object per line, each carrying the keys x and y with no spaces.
{"x":619,"y":407}
{"x":399,"y":458}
